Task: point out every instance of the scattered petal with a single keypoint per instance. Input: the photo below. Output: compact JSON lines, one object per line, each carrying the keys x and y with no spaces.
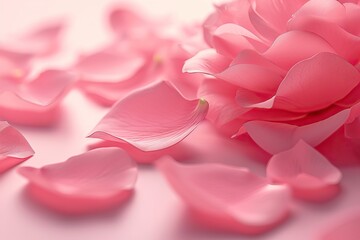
{"x":90,"y":182}
{"x":14,"y":148}
{"x":306,"y":171}
{"x":152,"y":119}
{"x":38,"y":99}
{"x":227,"y":197}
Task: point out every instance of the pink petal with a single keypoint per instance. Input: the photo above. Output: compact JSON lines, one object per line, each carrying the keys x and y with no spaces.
{"x":206,"y":61}
{"x":229,"y":39}
{"x":227,"y":197}
{"x":277,"y":137}
{"x":252,"y":77}
{"x":151,"y":119}
{"x":294,"y":46}
{"x":306,"y":87}
{"x":126,"y":22}
{"x":105,"y":66}
{"x":309,"y":173}
{"x":37,"y":99}
{"x":343,"y":42}
{"x":13,"y":65}
{"x":93,"y":181}
{"x":345,"y":229}
{"x":14,"y":148}
{"x":42,"y":41}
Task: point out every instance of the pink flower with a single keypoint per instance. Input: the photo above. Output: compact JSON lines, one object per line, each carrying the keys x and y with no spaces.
{"x":283,"y":72}
{"x":96,"y":180}
{"x":14,"y":148}
{"x":131,"y":62}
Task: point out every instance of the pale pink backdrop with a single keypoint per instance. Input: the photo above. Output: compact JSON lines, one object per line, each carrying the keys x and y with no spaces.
{"x":154,"y":212}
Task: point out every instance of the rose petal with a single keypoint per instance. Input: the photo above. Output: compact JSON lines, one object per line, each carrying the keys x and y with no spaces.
{"x":38,"y":99}
{"x":229,"y":39}
{"x":294,"y":46}
{"x":309,"y":173}
{"x":227,"y":197}
{"x":151,"y":119}
{"x":277,"y":137}
{"x":306,"y":87}
{"x":14,"y":148}
{"x":93,"y":181}
{"x":105,"y":66}
{"x":206,"y":61}
{"x":344,"y":43}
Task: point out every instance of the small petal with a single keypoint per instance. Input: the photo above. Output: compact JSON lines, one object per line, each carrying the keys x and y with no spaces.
{"x":227,"y":197}
{"x":309,"y":173}
{"x":14,"y":148}
{"x":93,"y":181}
{"x":152,"y":119}
{"x":277,"y":137}
{"x":38,"y":99}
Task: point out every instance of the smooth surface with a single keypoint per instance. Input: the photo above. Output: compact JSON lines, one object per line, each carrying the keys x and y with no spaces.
{"x":154,"y":212}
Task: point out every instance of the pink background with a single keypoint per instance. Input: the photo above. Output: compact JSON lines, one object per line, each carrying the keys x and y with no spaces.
{"x":154,"y":212}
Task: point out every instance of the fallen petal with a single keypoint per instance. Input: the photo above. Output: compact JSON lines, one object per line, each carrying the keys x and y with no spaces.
{"x":228,"y":198}
{"x":151,"y":119}
{"x":306,"y":171}
{"x":90,"y":182}
{"x":14,"y":148}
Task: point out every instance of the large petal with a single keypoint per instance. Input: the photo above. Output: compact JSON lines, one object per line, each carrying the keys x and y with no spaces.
{"x":93,"y":181}
{"x":228,"y":197}
{"x":151,"y":119}
{"x":14,"y":148}
{"x":344,"y":43}
{"x":306,"y":87}
{"x":38,"y":99}
{"x":277,"y":137}
{"x":309,"y":173}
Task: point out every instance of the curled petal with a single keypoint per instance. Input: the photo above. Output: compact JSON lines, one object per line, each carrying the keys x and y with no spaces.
{"x":277,"y":137}
{"x":38,"y":99}
{"x":306,"y":87}
{"x":151,"y":119}
{"x":227,"y":197}
{"x":93,"y":181}
{"x":14,"y":148}
{"x":309,"y":173}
